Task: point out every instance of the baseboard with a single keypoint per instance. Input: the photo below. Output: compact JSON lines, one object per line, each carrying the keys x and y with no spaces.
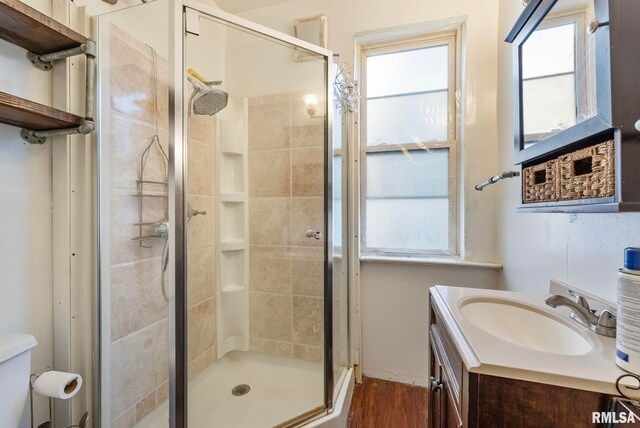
{"x":395,"y":377}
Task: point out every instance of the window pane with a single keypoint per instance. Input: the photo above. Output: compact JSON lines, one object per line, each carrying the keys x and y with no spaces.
{"x":417,"y":70}
{"x":549,"y":51}
{"x":407,"y":119}
{"x":408,"y":200}
{"x":549,"y":104}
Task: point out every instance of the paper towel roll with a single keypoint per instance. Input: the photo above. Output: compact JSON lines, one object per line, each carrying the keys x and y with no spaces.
{"x":58,"y":384}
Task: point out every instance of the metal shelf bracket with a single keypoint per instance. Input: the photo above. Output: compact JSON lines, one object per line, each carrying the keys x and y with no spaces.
{"x":45,"y":62}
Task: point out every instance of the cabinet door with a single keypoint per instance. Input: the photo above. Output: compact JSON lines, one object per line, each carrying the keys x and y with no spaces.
{"x":451,"y":417}
{"x":443,"y":412}
{"x":436,"y":402}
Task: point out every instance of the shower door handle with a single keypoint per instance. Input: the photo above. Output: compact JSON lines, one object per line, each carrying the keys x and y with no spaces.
{"x":193,"y":213}
{"x":311,"y":234}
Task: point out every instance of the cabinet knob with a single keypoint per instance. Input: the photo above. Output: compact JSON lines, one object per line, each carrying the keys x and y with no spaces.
{"x":436,"y":384}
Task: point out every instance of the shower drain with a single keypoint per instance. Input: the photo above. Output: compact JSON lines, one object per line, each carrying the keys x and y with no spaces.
{"x":240,"y":390}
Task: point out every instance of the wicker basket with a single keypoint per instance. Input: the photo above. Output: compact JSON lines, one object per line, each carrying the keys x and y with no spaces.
{"x":540,"y":183}
{"x":588,"y":173}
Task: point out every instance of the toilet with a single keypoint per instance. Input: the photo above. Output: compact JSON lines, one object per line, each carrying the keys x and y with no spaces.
{"x":15,"y":369}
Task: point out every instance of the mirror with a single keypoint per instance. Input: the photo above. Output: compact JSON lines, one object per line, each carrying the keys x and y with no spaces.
{"x":558,"y":72}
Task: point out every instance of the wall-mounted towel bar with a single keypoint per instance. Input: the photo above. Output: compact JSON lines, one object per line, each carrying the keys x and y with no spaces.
{"x":496,"y":178}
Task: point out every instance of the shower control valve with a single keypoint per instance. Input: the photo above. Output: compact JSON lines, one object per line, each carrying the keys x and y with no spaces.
{"x":311,"y":234}
{"x":161,"y":229}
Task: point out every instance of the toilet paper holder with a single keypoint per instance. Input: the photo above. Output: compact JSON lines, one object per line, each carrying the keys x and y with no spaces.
{"x":50,"y":423}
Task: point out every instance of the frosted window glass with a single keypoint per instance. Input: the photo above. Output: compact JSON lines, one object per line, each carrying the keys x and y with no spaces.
{"x":549,"y":51}
{"x":408,"y":200}
{"x":549,"y":104}
{"x":408,"y":224}
{"x":417,"y":70}
{"x":407,"y":119}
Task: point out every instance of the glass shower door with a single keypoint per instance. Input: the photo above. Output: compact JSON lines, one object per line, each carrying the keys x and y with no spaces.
{"x":134,"y":286}
{"x":256,"y":231}
{"x":258,"y":249}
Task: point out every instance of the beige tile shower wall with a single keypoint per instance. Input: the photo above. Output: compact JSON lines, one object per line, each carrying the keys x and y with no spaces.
{"x":201,"y":238}
{"x":139,"y":314}
{"x":286,"y":185}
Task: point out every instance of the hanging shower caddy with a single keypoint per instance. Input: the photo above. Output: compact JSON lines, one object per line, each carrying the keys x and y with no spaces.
{"x":154,"y":230}
{"x":158,"y":229}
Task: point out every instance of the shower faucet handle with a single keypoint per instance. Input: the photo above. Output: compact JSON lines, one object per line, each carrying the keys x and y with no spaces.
{"x":161,"y":229}
{"x":311,"y":234}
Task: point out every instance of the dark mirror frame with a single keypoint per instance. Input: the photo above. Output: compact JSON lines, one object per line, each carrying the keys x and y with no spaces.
{"x":601,"y":123}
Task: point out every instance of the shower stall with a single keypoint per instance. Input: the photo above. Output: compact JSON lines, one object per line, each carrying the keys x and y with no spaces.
{"x":223,"y":257}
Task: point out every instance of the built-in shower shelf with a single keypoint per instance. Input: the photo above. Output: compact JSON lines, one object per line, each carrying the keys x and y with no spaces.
{"x":27,"y":114}
{"x":232,"y":197}
{"x":26,"y":27}
{"x":232,"y":153}
{"x":235,"y":245}
{"x":149,"y":195}
{"x":232,"y":289}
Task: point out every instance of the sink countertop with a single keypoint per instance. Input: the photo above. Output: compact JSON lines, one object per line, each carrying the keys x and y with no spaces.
{"x":487,"y":354}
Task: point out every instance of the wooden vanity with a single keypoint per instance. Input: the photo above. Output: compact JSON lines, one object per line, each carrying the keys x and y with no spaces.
{"x":460,"y":398}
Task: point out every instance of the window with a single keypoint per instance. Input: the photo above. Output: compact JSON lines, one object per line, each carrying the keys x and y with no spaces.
{"x":408,"y":148}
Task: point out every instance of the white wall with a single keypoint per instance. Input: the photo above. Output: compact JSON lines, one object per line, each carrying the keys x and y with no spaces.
{"x":394,"y":296}
{"x":395,"y":316}
{"x":584,"y":250}
{"x":26,"y":294}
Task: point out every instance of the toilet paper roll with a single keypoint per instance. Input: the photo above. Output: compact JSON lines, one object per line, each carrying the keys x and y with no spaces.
{"x":58,"y":384}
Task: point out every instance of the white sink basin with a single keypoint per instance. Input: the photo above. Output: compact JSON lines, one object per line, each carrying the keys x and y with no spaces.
{"x":525,"y":326}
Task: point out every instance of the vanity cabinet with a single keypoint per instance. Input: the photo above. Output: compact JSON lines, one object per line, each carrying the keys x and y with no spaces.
{"x":458,"y":398}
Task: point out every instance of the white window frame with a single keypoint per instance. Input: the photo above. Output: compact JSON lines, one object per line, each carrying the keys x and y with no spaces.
{"x":452,"y":39}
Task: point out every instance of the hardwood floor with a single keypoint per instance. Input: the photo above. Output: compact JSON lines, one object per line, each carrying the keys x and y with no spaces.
{"x":384,"y":404}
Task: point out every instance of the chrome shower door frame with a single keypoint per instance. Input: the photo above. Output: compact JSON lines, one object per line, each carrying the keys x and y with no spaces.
{"x":178,"y":114}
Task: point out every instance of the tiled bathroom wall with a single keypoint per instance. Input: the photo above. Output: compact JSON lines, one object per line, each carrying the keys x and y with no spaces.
{"x":286,"y":198}
{"x":201,"y":238}
{"x":139,"y":314}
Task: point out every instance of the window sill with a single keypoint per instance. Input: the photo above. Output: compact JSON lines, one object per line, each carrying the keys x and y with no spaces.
{"x":430,"y":261}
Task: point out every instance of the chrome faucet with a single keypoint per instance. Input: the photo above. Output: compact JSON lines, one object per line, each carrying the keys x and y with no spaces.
{"x":603,"y":323}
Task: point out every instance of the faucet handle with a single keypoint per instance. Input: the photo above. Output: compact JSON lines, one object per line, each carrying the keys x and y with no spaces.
{"x":580,"y":300}
{"x":607,"y":319}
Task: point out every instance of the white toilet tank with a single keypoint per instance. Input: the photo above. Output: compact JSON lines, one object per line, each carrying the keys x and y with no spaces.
{"x":15,"y":369}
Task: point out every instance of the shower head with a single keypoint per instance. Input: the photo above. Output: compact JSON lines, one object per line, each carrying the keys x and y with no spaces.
{"x":205,"y":100}
{"x":210,"y":102}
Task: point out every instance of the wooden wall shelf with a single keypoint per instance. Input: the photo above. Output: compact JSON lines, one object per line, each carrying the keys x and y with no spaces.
{"x":26,"y":27}
{"x":26,"y":114}
{"x":46,"y":41}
